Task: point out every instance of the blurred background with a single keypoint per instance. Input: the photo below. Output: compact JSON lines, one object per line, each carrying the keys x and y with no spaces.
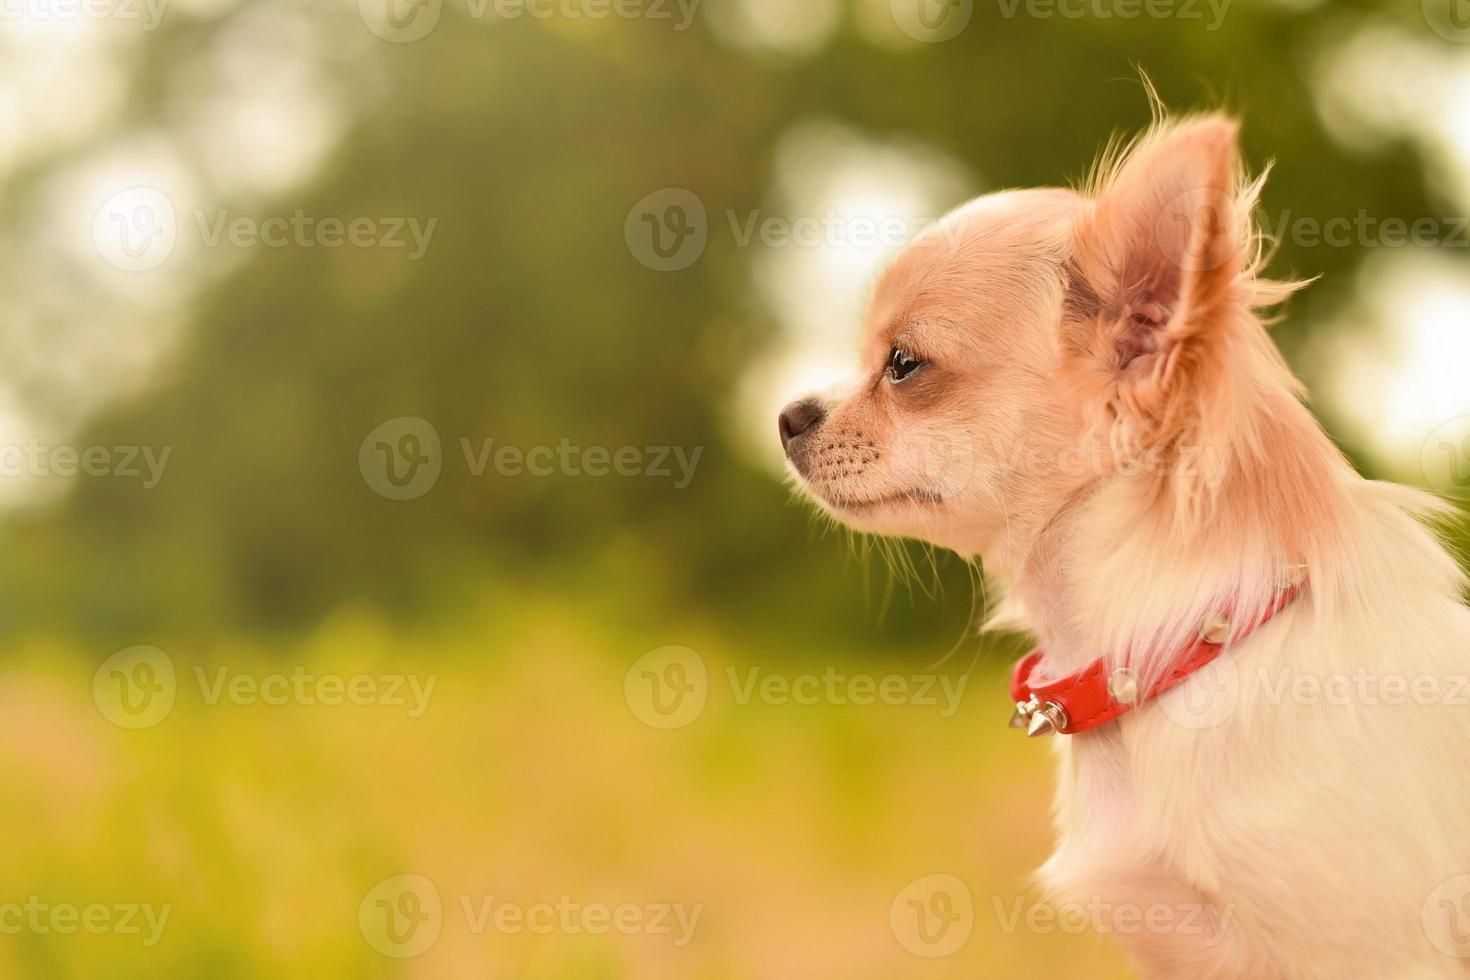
{"x":400,"y":579}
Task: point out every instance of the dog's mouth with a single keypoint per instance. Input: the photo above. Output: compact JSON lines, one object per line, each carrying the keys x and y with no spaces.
{"x":856,"y":505}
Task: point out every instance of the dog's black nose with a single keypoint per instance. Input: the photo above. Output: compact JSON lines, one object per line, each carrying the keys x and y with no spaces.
{"x":797,"y":418}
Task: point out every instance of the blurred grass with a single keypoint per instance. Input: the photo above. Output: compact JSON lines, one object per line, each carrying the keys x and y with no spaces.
{"x":528,"y":778}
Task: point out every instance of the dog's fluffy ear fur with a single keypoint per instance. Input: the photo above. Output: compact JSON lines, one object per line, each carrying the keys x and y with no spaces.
{"x":1161,"y":339}
{"x":1157,"y":258}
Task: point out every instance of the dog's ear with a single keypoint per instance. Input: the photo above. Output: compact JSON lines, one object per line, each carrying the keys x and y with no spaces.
{"x":1154,"y":292}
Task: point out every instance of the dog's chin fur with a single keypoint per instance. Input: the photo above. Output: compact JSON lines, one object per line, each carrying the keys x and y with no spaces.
{"x":884,"y":514}
{"x":1314,"y":833}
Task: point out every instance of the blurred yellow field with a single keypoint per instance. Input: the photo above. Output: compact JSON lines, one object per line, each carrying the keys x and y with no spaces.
{"x":759,"y":839}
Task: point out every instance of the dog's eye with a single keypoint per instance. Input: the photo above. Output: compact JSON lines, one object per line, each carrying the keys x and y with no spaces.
{"x":900,"y":365}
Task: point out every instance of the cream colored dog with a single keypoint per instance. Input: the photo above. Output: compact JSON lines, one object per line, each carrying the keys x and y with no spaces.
{"x":1076,"y":387}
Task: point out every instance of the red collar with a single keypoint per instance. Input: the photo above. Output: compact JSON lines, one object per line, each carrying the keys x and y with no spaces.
{"x":1092,"y":696}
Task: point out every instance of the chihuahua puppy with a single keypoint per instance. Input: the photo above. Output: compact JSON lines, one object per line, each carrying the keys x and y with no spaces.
{"x":1077,"y":388}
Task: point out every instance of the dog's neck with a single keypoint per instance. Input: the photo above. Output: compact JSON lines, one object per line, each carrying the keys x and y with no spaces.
{"x":1121,"y":571}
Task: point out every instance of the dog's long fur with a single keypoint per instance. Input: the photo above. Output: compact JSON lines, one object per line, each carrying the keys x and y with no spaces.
{"x":1101,"y":416}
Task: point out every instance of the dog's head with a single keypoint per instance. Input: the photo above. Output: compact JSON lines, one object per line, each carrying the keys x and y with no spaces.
{"x":1036,"y":341}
